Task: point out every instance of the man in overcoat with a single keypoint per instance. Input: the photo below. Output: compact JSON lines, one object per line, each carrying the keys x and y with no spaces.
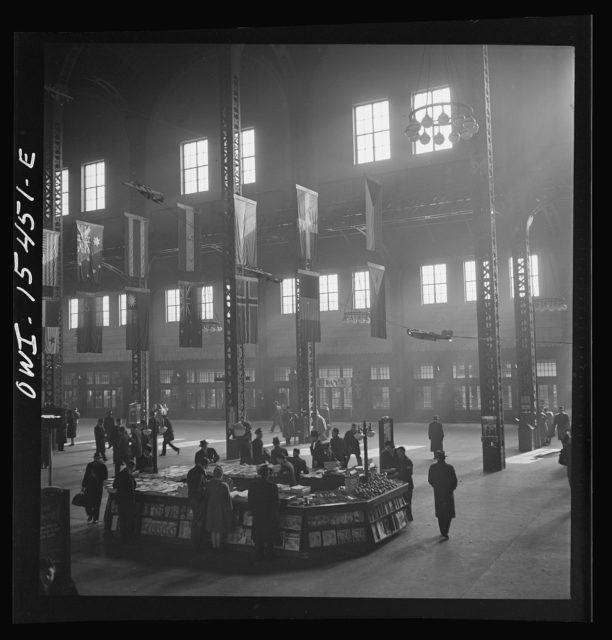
{"x":436,"y":434}
{"x":561,"y":423}
{"x":109,"y":428}
{"x":93,"y":485}
{"x":443,"y":479}
{"x":196,"y":487}
{"x":125,"y":485}
{"x":351,"y":445}
{"x":100,"y":437}
{"x":263,"y":503}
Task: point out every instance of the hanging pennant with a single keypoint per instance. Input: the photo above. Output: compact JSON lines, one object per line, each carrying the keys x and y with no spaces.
{"x":307,"y":205}
{"x":378,"y":312}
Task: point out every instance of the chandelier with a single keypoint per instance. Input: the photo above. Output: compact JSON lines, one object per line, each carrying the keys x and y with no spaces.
{"x":361,"y":316}
{"x":459,"y":116}
{"x":211,"y":326}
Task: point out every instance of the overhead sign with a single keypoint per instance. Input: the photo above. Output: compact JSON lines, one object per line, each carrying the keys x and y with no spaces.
{"x":334,"y":382}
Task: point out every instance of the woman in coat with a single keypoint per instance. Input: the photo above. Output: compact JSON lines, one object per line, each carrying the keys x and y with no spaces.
{"x":263,"y":503}
{"x":219,"y":515}
{"x":92,"y":485}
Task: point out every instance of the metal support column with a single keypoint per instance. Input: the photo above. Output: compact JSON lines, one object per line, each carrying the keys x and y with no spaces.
{"x":305,"y":369}
{"x":529,"y":435}
{"x":489,"y":348}
{"x":230,"y":166}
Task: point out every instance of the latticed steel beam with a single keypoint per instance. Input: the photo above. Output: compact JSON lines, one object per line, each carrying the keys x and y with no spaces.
{"x":305,"y":369}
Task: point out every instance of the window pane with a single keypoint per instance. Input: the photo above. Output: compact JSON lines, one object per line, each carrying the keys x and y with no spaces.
{"x":382,"y":145}
{"x":363,"y":119}
{"x":194,"y":166}
{"x":380,"y":114}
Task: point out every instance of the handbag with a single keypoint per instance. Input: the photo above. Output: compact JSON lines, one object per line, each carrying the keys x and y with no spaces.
{"x":563,"y":457}
{"x":79,"y":499}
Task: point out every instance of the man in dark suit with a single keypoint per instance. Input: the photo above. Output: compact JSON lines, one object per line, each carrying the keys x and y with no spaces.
{"x":109,"y":428}
{"x":299,"y":465}
{"x":125,"y":485}
{"x":337,"y":447}
{"x":388,"y":460}
{"x":351,"y":445}
{"x":561,"y":423}
{"x":206,"y":453}
{"x":263,"y":503}
{"x":93,"y":485}
{"x":317,"y":451}
{"x":196,"y":488}
{"x":436,"y":435}
{"x":100,"y":437}
{"x":443,"y":479}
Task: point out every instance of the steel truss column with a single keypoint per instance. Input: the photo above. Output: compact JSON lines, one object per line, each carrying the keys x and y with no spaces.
{"x":489,"y":348}
{"x":529,"y":434}
{"x":231,"y":179}
{"x":305,"y":369}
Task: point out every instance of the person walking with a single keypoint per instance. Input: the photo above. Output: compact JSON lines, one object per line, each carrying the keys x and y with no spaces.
{"x":352,"y":445}
{"x":404,"y":474}
{"x":561,"y":423}
{"x":219,"y":511}
{"x":92,"y":486}
{"x":436,"y":435}
{"x":443,"y":479}
{"x":168,"y":437}
{"x":125,"y":485}
{"x":337,"y":448}
{"x":100,"y":438}
{"x":206,"y":453}
{"x":263,"y":503}
{"x":277,"y":417}
{"x":196,"y":493}
{"x":121,"y":449}
{"x":550,"y":424}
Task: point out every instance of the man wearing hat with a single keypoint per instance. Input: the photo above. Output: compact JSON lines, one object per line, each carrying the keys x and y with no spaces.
{"x":259,"y":453}
{"x":436,"y":435}
{"x":92,"y":486}
{"x":443,"y":479}
{"x":206,"y":453}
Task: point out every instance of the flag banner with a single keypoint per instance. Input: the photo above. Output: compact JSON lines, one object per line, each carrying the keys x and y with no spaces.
{"x":245,"y":216}
{"x":373,"y":210}
{"x":136,"y":246}
{"x":246,"y":309}
{"x":89,"y":329}
{"x":378,"y":313}
{"x":51,"y":335}
{"x":89,"y":250}
{"x":190,"y":322}
{"x":50,"y":313}
{"x":188,"y":238}
{"x":50,"y":244}
{"x":137,"y":304}
{"x":308,"y":306}
{"x":308,"y":214}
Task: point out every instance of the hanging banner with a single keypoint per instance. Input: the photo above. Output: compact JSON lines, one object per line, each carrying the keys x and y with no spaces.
{"x":136,"y":246}
{"x":50,"y":323}
{"x":190,"y":322}
{"x":89,"y":329}
{"x":308,"y":307}
{"x":308,"y":213}
{"x":246,"y":231}
{"x":378,"y":312}
{"x":188,"y":238}
{"x":50,"y":244}
{"x":373,"y":211}
{"x":246,"y":309}
{"x":137,"y":304}
{"x":89,"y":250}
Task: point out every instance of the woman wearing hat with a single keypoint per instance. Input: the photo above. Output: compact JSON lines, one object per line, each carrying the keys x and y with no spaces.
{"x":443,"y":479}
{"x":436,"y":434}
{"x":92,"y":486}
{"x":259,"y":453}
{"x":206,"y":453}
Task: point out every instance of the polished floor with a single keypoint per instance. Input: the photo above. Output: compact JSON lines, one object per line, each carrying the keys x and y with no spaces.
{"x":510,"y":541}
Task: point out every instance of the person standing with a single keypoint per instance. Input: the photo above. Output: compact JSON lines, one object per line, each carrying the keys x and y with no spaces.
{"x":320,"y":425}
{"x":299,"y":465}
{"x":92,"y":486}
{"x":389,"y":460}
{"x":550,"y":424}
{"x":443,"y":479}
{"x":60,"y":432}
{"x":277,"y":451}
{"x":245,"y":447}
{"x":561,"y":423}
{"x":263,"y":503}
{"x":436,"y":435}
{"x":288,"y":425}
{"x":286,"y":475}
{"x":144,"y":462}
{"x":337,"y":448}
{"x":168,"y":438}
{"x":71,"y":424}
{"x":196,"y":492}
{"x":404,"y":474}
{"x":317,"y":450}
{"x":259,"y":453}
{"x":206,"y":453}
{"x":352,"y":445}
{"x":326,"y":414}
{"x":109,"y":428}
{"x":219,"y":511}
{"x":100,"y":438}
{"x":135,"y":442}
{"x":277,"y":417}
{"x":125,"y":484}
{"x":121,"y":449}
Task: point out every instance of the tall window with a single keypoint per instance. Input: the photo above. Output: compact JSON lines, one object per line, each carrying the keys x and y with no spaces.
{"x":173,"y":304}
{"x":462,"y":370}
{"x":424,"y":397}
{"x":63,"y":178}
{"x":207,"y":303}
{"x":423,"y":99}
{"x":93,"y":186}
{"x":380,"y":373}
{"x":469,"y":280}
{"x":288,"y":296}
{"x":381,"y":398}
{"x":433,"y":283}
{"x":424,"y":372}
{"x":103,"y":311}
{"x":165,"y":376}
{"x":371,"y":127}
{"x":247,"y":155}
{"x":534,"y":280}
{"x":546,"y":368}
{"x":122,"y":309}
{"x":361,"y":290}
{"x":281,"y":374}
{"x":194,"y":166}
{"x":328,"y":292}
{"x":73,"y":313}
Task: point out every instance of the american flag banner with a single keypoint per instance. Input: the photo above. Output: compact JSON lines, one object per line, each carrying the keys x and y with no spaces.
{"x":90,"y":242}
{"x":50,"y":253}
{"x":50,"y":323}
{"x":89,"y":329}
{"x":308,"y":213}
{"x":51,"y":337}
{"x":188,"y":238}
{"x":373,"y":211}
{"x":246,"y":230}
{"x":137,"y":319}
{"x":378,"y":312}
{"x":190,"y":322}
{"x":246,"y":309}
{"x":308,"y":306}
{"x":136,"y":246}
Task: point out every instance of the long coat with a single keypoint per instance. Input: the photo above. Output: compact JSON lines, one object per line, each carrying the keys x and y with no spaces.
{"x":351,"y":444}
{"x":443,"y":479}
{"x":70,"y":424}
{"x":258,"y":451}
{"x":110,"y":429}
{"x":121,"y":448}
{"x":93,"y":483}
{"x":219,"y":515}
{"x":436,"y":435}
{"x":100,"y":436}
{"x":263,"y":502}
{"x":136,"y":443}
{"x":338,"y":449}
{"x":561,"y":422}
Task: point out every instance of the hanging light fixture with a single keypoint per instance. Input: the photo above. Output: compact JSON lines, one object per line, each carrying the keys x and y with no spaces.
{"x":359,"y":316}
{"x":463,"y":123}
